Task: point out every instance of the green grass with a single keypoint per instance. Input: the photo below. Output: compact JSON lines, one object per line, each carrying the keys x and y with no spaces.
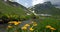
{"x":8,"y":9}
{"x":41,"y":26}
{"x":49,"y":21}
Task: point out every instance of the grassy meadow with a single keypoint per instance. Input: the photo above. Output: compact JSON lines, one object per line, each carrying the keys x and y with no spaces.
{"x":43,"y":25}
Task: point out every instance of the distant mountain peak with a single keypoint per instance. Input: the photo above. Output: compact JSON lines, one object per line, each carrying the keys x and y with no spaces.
{"x":46,"y":8}
{"x":48,"y":2}
{"x":45,"y":5}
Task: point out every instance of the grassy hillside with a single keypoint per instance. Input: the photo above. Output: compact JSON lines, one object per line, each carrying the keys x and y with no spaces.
{"x":8,"y":9}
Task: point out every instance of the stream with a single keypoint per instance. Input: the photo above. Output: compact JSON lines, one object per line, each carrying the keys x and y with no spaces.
{"x":4,"y":26}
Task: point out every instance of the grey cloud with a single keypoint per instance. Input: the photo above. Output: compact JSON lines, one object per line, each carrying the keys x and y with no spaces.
{"x":54,"y":2}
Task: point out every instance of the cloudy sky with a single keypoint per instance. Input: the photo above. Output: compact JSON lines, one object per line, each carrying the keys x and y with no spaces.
{"x":28,"y":3}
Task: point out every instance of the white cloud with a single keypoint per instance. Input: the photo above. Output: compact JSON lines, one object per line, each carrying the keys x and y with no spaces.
{"x":26,"y":4}
{"x":16,"y":0}
{"x":34,"y":2}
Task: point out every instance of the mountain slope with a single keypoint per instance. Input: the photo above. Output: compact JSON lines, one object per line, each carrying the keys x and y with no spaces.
{"x":9,"y":9}
{"x":46,"y":8}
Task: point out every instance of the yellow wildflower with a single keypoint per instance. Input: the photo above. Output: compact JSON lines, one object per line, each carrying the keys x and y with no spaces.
{"x":26,"y":25}
{"x":31,"y":29}
{"x":52,"y":28}
{"x":9,"y":26}
{"x":10,"y":22}
{"x":35,"y":24}
{"x":14,"y":22}
{"x":48,"y":26}
{"x":24,"y":28}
